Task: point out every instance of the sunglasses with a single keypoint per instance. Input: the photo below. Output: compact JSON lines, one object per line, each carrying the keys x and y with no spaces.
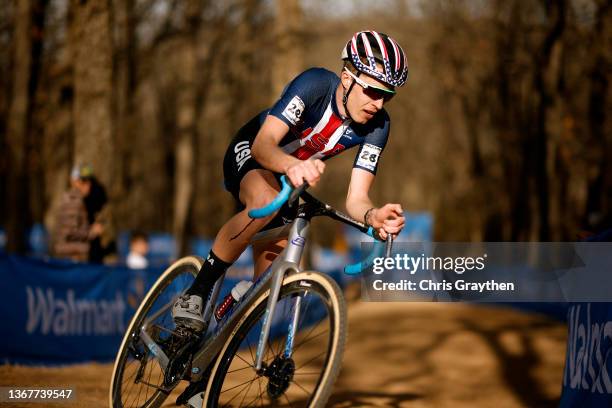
{"x":372,"y":91}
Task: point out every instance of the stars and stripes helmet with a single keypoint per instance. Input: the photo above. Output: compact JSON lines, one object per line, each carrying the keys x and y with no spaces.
{"x":368,"y":47}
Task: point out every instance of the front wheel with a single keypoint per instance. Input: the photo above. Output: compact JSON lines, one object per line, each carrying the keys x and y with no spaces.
{"x":301,"y":376}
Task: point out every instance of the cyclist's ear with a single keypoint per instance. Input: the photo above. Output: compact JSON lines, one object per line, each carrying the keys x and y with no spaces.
{"x":346,"y":79}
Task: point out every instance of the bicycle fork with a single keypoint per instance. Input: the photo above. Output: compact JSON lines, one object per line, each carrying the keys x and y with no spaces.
{"x":269,"y":313}
{"x":290,"y":260}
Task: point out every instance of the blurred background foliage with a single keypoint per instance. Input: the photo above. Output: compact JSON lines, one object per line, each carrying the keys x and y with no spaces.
{"x":502,"y":132}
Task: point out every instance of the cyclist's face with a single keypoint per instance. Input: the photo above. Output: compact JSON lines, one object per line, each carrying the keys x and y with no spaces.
{"x":364,"y":103}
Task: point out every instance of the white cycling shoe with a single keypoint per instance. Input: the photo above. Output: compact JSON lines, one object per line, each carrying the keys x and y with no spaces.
{"x":197,"y":401}
{"x":187,"y":312}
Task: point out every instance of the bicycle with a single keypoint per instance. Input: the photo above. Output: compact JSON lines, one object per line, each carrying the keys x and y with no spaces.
{"x":286,"y":301}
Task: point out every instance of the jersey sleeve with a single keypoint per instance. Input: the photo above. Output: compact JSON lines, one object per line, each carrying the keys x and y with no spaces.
{"x":300,"y":95}
{"x":375,"y":135}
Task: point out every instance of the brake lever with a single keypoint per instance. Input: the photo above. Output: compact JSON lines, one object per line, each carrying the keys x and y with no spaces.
{"x":295,"y":194}
{"x":388,"y":246}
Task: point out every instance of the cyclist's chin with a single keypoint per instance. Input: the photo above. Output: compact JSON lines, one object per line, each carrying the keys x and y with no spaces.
{"x":363,"y":117}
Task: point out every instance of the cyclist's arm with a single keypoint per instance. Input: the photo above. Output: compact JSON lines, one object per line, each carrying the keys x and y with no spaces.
{"x":388,"y":218}
{"x":358,"y":199}
{"x":265,"y":149}
{"x":266,"y":152}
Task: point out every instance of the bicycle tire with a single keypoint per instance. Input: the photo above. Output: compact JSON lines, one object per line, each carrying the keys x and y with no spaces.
{"x":184,"y":266}
{"x":312,"y":282}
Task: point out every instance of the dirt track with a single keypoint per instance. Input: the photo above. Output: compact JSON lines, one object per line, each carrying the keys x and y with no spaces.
{"x":401,"y":355}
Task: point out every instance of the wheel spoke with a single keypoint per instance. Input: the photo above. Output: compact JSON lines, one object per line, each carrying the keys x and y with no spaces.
{"x":309,"y":339}
{"x":311,"y":360}
{"x":287,"y":398}
{"x":247,"y":391}
{"x":240,"y":369}
{"x":258,"y":397}
{"x":244,"y":385}
{"x":246,"y":362}
{"x":302,"y":388}
{"x":236,"y":386}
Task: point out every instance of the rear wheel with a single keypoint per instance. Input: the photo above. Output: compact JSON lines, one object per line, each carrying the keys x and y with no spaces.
{"x":138,"y":379}
{"x":302,"y":379}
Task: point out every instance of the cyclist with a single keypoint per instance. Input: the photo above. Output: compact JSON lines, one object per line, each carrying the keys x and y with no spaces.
{"x":317,"y":116}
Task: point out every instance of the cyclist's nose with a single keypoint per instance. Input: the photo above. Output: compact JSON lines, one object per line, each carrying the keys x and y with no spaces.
{"x":378,"y":103}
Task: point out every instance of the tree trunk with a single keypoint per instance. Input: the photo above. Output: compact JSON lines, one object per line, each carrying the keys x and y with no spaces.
{"x":28,"y":48}
{"x":124,"y":62}
{"x":184,"y":170}
{"x":543,"y":72}
{"x":288,"y":58}
{"x":598,"y":209}
{"x":92,"y":57}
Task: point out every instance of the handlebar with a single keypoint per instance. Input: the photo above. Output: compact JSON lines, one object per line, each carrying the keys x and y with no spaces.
{"x":377,"y":251}
{"x":290,"y":194}
{"x":283,"y":196}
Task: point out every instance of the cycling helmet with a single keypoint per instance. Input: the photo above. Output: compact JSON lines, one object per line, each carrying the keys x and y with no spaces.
{"x":368,"y":47}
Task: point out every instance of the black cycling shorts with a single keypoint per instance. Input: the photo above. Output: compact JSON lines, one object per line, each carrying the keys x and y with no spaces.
{"x":238,"y":162}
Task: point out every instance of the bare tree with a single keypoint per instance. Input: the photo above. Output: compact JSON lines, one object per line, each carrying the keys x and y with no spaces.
{"x":92,"y":61}
{"x":125,"y":23}
{"x":288,"y":60}
{"x":28,"y":38}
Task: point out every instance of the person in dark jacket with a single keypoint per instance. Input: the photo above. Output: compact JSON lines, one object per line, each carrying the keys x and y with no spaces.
{"x":80,"y":220}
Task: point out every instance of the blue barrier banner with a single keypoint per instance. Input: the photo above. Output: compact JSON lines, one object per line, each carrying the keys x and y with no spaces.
{"x":58,"y":312}
{"x":61,"y":312}
{"x":587,"y":380}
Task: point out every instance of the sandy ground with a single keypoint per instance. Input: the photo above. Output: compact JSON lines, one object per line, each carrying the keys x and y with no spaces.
{"x":400,"y":355}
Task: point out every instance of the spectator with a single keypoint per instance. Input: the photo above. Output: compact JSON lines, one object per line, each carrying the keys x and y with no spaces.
{"x":99,"y":217}
{"x":82,"y":229}
{"x":73,"y":233}
{"x":139,"y":246}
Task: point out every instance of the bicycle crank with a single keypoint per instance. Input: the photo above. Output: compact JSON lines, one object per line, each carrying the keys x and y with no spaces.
{"x":180,"y":352}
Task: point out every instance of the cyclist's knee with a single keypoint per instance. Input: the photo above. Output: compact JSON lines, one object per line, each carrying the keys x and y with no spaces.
{"x":265,"y":196}
{"x":258,"y":187}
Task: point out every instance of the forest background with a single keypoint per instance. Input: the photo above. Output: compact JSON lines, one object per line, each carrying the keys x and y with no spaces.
{"x":502,"y":132}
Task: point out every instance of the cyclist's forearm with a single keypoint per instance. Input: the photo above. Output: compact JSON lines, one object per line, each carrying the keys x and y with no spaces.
{"x":272,"y":157}
{"x":357,"y":207}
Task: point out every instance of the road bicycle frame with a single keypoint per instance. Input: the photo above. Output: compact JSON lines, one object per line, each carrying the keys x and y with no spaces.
{"x":286,"y":263}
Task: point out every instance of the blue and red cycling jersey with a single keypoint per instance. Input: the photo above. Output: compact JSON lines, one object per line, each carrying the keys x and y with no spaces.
{"x":316,"y":128}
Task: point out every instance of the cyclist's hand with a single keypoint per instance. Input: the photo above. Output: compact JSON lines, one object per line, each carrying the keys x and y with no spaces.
{"x":388,"y":219}
{"x":307,"y":170}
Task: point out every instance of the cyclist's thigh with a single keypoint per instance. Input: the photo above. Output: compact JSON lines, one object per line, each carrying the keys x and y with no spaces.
{"x":257,"y":188}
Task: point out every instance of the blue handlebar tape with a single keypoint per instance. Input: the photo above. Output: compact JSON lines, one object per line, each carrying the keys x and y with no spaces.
{"x":355,"y":269}
{"x":277,"y":203}
{"x":370,"y":232}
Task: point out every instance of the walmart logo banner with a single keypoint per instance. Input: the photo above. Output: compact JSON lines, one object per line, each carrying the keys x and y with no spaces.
{"x":60,"y":312}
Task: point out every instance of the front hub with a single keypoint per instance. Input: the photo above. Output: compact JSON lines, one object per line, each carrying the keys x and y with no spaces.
{"x":280,"y":374}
